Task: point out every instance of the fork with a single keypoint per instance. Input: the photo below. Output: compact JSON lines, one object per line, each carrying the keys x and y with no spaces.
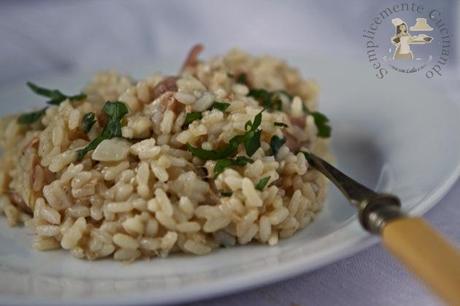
{"x":420,"y":247}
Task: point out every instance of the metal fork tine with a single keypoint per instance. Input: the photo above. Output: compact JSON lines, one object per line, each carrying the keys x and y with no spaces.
{"x":353,"y":191}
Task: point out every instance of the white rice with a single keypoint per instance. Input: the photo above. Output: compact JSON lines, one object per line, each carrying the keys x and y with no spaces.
{"x":146,"y":195}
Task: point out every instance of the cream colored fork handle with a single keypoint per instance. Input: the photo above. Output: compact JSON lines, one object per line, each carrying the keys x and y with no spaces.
{"x":426,"y":253}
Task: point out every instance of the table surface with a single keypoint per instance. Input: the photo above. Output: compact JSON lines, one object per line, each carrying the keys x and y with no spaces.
{"x":42,"y":37}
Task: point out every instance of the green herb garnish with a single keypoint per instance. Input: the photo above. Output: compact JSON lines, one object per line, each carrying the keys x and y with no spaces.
{"x":29,"y":118}
{"x":226,"y":193}
{"x":276,"y":143}
{"x":270,"y":100}
{"x":222,"y":106}
{"x":190,"y":117}
{"x":56,"y":97}
{"x":252,"y":136}
{"x":115,"y":112}
{"x":223,"y":164}
{"x":89,"y":119}
{"x":307,"y":156}
{"x":255,"y":124}
{"x":285,"y":93}
{"x":322,"y":124}
{"x":252,"y":142}
{"x":280,"y":124}
{"x":242,"y":79}
{"x":250,"y":139}
{"x":265,"y":99}
{"x":227,"y":151}
{"x":262,"y":183}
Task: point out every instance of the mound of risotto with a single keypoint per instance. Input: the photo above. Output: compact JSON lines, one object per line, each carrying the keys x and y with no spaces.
{"x":188,"y":163}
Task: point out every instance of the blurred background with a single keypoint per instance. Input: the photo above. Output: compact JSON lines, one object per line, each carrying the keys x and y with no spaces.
{"x":41,"y":37}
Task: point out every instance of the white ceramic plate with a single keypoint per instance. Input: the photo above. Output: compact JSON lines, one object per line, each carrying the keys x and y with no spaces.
{"x":392,"y":134}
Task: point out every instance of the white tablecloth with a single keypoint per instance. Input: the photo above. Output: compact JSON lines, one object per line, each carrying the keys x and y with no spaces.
{"x":41,"y":37}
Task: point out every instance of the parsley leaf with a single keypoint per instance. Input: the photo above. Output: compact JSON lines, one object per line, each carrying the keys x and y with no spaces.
{"x":276,"y":143}
{"x":242,"y":79}
{"x":252,"y":142}
{"x":262,"y":183}
{"x":263,"y":96}
{"x":269,"y":100}
{"x":190,"y":117}
{"x":222,"y":106}
{"x":115,"y":112}
{"x":250,"y":139}
{"x":226,"y":193}
{"x":252,"y":136}
{"x":227,"y":151}
{"x":280,"y":124}
{"x":257,"y":121}
{"x":322,"y":124}
{"x":273,"y":101}
{"x":29,"y":118}
{"x":307,"y":156}
{"x":89,"y":119}
{"x":223,"y":164}
{"x":56,"y":96}
{"x":285,"y":93}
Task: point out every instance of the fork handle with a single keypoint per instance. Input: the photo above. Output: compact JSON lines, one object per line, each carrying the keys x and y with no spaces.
{"x":425,"y":252}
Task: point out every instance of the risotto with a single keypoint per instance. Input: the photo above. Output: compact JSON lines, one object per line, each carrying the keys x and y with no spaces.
{"x":208,"y":158}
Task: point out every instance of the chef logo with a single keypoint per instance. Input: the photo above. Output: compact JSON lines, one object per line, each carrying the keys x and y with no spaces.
{"x":407,"y":39}
{"x":402,"y":40}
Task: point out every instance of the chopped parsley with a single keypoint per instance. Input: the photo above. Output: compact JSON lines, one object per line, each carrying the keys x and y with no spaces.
{"x":254,"y":124}
{"x":280,"y":124}
{"x":222,"y":106}
{"x":322,"y":124}
{"x":55,"y":96}
{"x":89,"y":119}
{"x":252,"y":136}
{"x":227,"y":151}
{"x":190,"y":117}
{"x":270,"y":100}
{"x":307,"y":156}
{"x":223,"y":164}
{"x":265,"y":98}
{"x":276,"y":143}
{"x":226,"y":193}
{"x":115,"y":112}
{"x":242,"y":79}
{"x":250,"y":139}
{"x":262,"y":183}
{"x":252,"y":142}
{"x":29,"y":118}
